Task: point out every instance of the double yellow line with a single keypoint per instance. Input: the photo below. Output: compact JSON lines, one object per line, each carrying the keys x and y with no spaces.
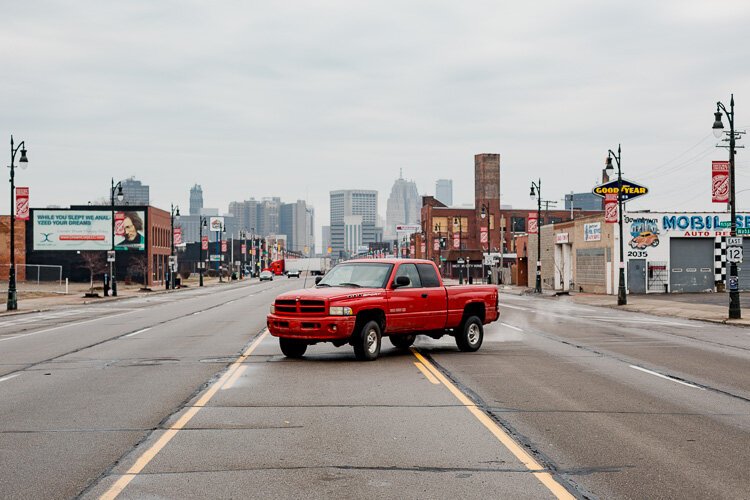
{"x":434,"y":376}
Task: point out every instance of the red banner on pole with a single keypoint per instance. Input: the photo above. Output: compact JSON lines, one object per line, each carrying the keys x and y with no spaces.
{"x":436,"y":245}
{"x":223,"y":245}
{"x":204,"y":243}
{"x":177,"y":236}
{"x":22,"y":203}
{"x":532,"y":226}
{"x":244,"y":249}
{"x":456,"y":241}
{"x":720,"y":181}
{"x":119,"y":223}
{"x":610,"y":208}
{"x":483,"y":237}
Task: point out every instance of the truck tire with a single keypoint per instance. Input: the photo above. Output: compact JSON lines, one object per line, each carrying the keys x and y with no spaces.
{"x":292,"y":348}
{"x":402,"y":341}
{"x":470,"y":334}
{"x":366,"y":342}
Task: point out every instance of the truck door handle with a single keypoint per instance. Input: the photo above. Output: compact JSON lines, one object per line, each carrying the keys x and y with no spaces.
{"x":424,"y":295}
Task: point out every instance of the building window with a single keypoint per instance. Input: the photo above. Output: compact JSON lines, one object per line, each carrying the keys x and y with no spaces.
{"x":518,"y":224}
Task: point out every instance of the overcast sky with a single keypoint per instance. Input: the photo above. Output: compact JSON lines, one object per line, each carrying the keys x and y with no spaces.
{"x":294,"y":99}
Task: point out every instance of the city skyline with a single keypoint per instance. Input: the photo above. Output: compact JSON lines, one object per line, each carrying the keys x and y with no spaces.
{"x":551,"y":94}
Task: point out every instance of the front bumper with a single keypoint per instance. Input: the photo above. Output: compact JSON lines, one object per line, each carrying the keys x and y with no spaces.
{"x":311,"y":328}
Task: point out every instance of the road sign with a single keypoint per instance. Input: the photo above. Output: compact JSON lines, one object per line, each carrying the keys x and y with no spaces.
{"x":110,"y":255}
{"x":630,"y":190}
{"x":216,"y":258}
{"x":743,"y":230}
{"x":734,"y":241}
{"x":725,"y":223}
{"x":734,"y":254}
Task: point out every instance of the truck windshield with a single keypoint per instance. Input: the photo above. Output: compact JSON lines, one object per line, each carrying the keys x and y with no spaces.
{"x":365,"y":275}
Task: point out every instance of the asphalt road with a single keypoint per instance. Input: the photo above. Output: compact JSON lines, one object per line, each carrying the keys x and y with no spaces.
{"x":186,"y":396}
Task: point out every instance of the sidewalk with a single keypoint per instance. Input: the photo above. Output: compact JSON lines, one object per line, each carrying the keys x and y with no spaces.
{"x":665,"y":305}
{"x":38,"y":301}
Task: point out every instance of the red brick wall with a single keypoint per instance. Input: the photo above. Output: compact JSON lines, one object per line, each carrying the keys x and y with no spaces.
{"x":20,"y":244}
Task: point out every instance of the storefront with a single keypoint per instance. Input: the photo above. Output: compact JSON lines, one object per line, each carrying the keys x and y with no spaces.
{"x":679,"y":252}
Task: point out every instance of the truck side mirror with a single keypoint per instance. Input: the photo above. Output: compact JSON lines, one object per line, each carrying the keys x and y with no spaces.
{"x":318,"y":279}
{"x":402,"y":281}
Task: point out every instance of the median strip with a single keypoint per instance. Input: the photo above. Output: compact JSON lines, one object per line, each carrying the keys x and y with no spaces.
{"x":535,"y":467}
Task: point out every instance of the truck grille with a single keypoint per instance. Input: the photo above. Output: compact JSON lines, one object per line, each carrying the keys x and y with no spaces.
{"x":289,"y":307}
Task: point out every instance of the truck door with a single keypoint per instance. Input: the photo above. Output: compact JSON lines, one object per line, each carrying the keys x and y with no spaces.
{"x":433,"y":309}
{"x":403,"y":302}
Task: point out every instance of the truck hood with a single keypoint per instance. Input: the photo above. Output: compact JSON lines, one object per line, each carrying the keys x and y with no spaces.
{"x":332,"y":293}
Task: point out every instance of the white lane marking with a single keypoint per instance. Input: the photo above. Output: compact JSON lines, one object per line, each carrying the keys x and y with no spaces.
{"x":666,"y":377}
{"x":511,"y":326}
{"x":196,"y":313}
{"x":229,"y":302}
{"x":9,"y":377}
{"x":66,"y":326}
{"x":139,"y":331}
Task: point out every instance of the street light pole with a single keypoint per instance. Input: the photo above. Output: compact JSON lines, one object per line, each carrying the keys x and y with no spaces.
{"x":460,"y":249}
{"x":622,"y":298}
{"x":120,"y":197}
{"x":12,"y":304}
{"x":735,"y":311}
{"x":538,"y":186}
{"x":174,"y":214}
{"x":201,"y":261}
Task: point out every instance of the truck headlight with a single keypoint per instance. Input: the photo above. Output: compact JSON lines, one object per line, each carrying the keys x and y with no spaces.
{"x":340,"y":311}
{"x":273,"y":309}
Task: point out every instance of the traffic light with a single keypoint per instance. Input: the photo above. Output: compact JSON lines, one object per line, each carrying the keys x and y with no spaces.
{"x":443,"y":242}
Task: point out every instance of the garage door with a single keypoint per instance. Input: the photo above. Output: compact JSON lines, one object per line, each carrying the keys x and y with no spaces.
{"x":691,"y":262}
{"x":743,"y":269}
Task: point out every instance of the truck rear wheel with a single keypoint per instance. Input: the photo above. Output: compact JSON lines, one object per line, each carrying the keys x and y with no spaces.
{"x":470,"y":334}
{"x":366,"y":342}
{"x":402,"y":341}
{"x":292,"y":348}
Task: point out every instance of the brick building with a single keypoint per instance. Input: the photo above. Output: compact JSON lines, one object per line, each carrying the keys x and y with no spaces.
{"x":470,"y":233}
{"x":20,"y":248}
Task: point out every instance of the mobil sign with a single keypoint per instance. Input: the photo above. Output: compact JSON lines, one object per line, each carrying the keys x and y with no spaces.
{"x":630,"y":190}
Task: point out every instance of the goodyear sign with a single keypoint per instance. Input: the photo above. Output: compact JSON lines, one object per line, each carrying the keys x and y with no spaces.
{"x":630,"y":190}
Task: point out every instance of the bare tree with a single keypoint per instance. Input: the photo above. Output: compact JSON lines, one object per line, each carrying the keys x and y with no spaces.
{"x":95,"y":263}
{"x":138,"y":266}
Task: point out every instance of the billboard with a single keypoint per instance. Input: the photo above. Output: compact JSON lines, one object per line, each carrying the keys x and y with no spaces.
{"x":72,"y":230}
{"x":86,"y":230}
{"x":130,"y":233}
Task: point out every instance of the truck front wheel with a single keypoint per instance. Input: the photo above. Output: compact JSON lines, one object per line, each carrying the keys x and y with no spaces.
{"x":470,"y":334}
{"x":366,"y":342}
{"x":292,"y":348}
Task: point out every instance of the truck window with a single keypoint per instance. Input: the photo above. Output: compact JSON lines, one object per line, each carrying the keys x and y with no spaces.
{"x":428,"y":276}
{"x":409,"y":270}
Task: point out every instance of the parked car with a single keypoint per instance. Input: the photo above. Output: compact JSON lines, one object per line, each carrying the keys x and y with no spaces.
{"x":360,"y":301}
{"x":266,"y":276}
{"x":293,"y":274}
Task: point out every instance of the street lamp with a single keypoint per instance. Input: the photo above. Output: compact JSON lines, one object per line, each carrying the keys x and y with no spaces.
{"x":201,"y":262}
{"x":718,"y":129}
{"x":23,"y":163}
{"x":174,"y":215}
{"x":533,"y":195}
{"x":120,"y":196}
{"x":252,"y":255}
{"x":483,"y":214}
{"x":622,"y":298}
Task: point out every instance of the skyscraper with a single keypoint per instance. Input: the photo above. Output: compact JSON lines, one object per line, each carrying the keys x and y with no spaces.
{"x":196,"y":199}
{"x":444,"y":191}
{"x":134,"y":193}
{"x":404,"y":206}
{"x":345,"y":204}
{"x":296,"y":221}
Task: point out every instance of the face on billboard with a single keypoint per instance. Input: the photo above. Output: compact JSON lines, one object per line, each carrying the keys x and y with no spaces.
{"x":131,"y":236}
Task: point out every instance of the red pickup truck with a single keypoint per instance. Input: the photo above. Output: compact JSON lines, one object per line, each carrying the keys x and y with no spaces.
{"x":360,"y":301}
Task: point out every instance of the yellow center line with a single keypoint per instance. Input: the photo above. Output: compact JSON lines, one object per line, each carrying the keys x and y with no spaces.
{"x":427,"y":373}
{"x":517,"y":450}
{"x":165,"y":438}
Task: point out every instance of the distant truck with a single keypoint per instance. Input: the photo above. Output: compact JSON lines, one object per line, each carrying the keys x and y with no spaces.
{"x":314,"y":266}
{"x":277,"y":267}
{"x":360,"y":301}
